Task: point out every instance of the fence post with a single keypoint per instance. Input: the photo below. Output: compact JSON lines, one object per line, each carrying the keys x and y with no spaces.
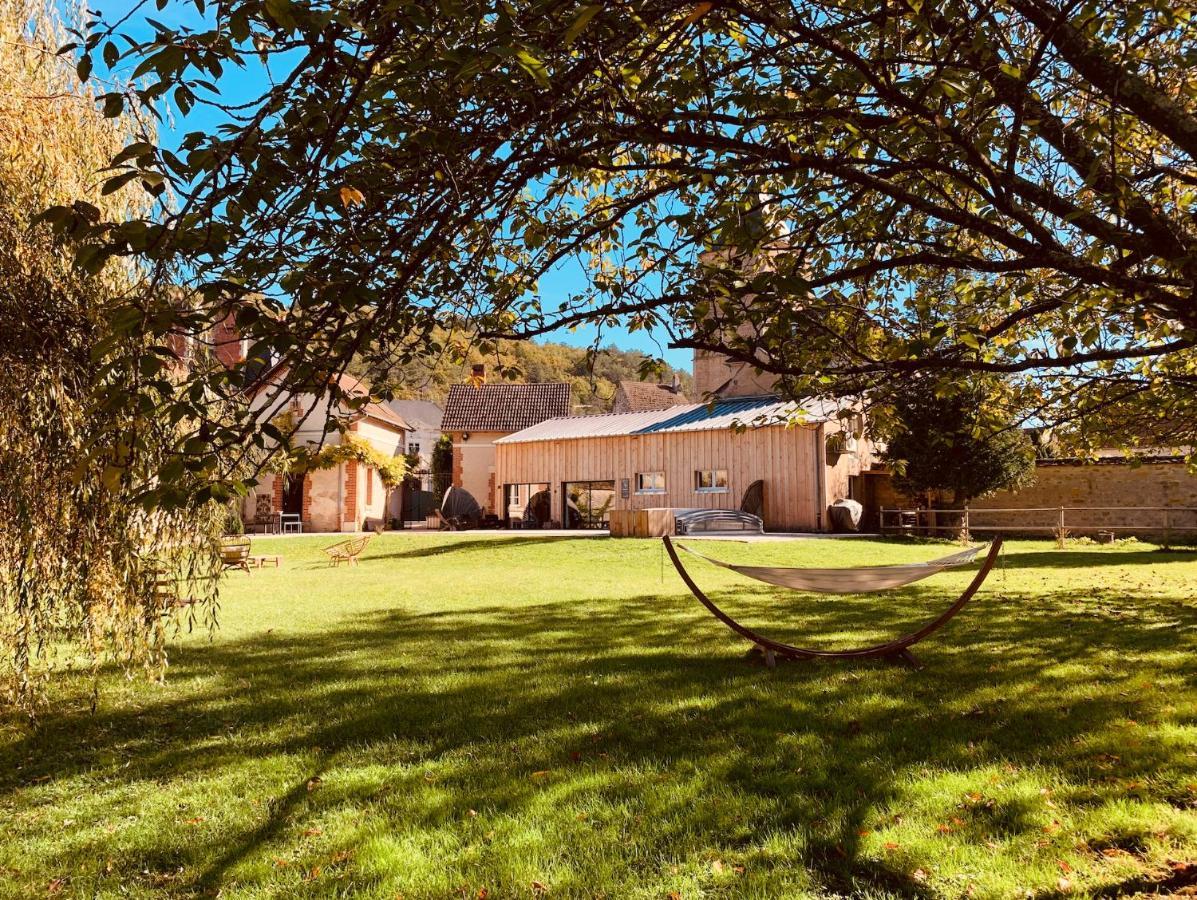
{"x":966,"y":536}
{"x":1167,"y":527}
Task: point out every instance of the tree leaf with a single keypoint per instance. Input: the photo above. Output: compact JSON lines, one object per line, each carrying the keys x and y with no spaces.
{"x":581,"y":20}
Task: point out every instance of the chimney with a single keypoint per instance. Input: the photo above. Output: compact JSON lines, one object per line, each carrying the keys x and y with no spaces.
{"x":479,"y":373}
{"x":676,"y":384}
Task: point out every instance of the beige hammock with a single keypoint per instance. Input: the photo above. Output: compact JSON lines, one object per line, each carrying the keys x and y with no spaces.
{"x":847,"y":581}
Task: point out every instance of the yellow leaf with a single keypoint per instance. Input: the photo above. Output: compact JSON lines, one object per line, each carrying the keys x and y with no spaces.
{"x":700,"y":10}
{"x":351,"y":196}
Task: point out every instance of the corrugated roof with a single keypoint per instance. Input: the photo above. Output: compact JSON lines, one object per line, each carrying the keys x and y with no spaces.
{"x":504,"y":406}
{"x":747,"y":411}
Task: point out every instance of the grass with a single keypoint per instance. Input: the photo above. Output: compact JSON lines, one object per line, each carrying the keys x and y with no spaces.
{"x":466,"y":717}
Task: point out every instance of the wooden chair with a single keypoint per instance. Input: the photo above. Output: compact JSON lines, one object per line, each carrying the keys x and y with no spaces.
{"x":347,"y":551}
{"x":265,"y":518}
{"x":234,"y":554}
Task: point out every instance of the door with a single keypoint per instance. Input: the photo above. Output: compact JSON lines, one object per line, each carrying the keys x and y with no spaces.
{"x":293,"y":495}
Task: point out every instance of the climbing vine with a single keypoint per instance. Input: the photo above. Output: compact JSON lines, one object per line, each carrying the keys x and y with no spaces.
{"x":391,"y":469}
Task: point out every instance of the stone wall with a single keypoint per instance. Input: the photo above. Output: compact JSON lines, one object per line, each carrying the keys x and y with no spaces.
{"x":1106,"y":495}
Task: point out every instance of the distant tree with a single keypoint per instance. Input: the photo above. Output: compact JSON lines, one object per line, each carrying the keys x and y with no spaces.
{"x":948,"y":441}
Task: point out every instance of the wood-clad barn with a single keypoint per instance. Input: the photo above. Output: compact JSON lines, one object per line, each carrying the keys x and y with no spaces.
{"x":573,"y":471}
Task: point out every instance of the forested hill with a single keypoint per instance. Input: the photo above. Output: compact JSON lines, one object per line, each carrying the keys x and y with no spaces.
{"x":593,"y":386}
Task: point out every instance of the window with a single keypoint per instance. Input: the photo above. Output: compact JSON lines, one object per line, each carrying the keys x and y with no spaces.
{"x":413,"y":449}
{"x":712,"y":481}
{"x":650,"y":482}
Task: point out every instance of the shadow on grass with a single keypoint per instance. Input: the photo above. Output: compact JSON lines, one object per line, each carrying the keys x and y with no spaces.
{"x":463,"y":547}
{"x":642,"y":682}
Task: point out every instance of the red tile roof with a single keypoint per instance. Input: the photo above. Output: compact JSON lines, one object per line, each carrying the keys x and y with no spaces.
{"x":504,"y":406}
{"x":645,"y":396}
{"x":379,"y":411}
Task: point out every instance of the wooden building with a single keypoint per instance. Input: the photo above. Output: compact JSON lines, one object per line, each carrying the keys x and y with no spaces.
{"x":572,"y":471}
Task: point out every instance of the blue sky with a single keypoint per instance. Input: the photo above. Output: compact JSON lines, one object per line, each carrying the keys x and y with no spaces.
{"x":238,"y":85}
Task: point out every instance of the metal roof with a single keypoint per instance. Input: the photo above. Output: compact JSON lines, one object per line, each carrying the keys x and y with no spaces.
{"x":746,"y":411}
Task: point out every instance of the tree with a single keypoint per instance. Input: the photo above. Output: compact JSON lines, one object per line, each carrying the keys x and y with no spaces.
{"x":835,"y":191}
{"x":948,"y":442}
{"x":81,"y":558}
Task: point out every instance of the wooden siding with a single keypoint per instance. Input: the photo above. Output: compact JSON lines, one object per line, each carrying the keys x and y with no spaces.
{"x":787,"y":459}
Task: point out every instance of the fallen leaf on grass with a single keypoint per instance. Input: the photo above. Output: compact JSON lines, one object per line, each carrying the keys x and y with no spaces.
{"x":56,"y":886}
{"x":541,"y":774}
{"x":312,"y":874}
{"x":1064,"y":867}
{"x":717,"y":867}
{"x":195,"y":821}
{"x":538,"y":889}
{"x":483,"y":893}
{"x":313,"y":832}
{"x":1064,"y":885}
{"x":314,"y":782}
{"x":892,"y":846}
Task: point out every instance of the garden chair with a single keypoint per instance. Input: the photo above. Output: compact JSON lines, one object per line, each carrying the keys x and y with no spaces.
{"x":265,"y":518}
{"x":234,"y":554}
{"x":347,"y":551}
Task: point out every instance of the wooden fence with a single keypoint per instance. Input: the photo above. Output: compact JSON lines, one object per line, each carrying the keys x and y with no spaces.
{"x":1054,"y":520}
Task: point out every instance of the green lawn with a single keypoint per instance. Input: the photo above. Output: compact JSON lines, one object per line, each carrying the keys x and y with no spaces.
{"x":465,"y":717}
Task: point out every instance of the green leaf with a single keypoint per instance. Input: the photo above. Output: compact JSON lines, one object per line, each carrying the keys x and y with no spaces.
{"x":114,"y":184}
{"x":534,"y":66}
{"x":581,"y":20}
{"x":133,"y":151}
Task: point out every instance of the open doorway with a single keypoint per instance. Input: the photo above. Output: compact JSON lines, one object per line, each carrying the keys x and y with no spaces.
{"x":293,"y":496}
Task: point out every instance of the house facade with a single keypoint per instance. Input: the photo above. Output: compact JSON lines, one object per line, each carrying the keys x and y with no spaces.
{"x":573,"y":472}
{"x":477,"y":415}
{"x":423,"y":418}
{"x":350,"y":496}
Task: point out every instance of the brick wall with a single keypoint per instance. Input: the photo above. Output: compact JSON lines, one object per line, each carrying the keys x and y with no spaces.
{"x":458,"y":466}
{"x":351,"y":492}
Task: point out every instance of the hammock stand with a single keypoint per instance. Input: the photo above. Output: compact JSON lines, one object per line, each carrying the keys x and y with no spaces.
{"x":897,"y":650}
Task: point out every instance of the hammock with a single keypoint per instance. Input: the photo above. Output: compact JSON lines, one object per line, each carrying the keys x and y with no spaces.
{"x":847,"y":581}
{"x":868,"y":578}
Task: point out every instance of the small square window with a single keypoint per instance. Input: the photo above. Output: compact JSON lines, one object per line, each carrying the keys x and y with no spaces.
{"x":650,"y":482}
{"x":710,"y":480}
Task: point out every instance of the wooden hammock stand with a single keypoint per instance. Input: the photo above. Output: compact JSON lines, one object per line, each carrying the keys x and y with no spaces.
{"x":897,"y":650}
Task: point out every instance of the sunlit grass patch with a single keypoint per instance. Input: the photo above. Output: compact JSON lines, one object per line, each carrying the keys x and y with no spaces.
{"x":460,"y":716}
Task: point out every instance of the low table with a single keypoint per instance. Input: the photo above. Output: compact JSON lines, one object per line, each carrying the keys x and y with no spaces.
{"x":260,"y":560}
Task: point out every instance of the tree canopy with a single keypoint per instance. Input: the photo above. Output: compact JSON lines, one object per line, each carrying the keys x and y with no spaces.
{"x":593,"y":374}
{"x":835,"y":191}
{"x":948,"y":442}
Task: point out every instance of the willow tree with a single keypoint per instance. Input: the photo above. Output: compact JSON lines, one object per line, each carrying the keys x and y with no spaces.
{"x":836,"y":192}
{"x":87,"y":571}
